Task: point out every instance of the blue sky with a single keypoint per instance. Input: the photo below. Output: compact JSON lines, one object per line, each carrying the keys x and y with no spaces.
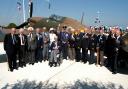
{"x":113,"y":12}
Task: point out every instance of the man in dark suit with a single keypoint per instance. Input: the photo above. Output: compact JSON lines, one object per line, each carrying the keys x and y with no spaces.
{"x":64,"y":36}
{"x":111,"y":52}
{"x":22,"y":47}
{"x":10,"y":46}
{"x":39,"y":48}
{"x":101,"y":39}
{"x":77,"y":46}
{"x":92,"y":46}
{"x":121,"y":54}
{"x":85,"y":45}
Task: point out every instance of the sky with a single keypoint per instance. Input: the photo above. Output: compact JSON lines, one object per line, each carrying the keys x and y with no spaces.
{"x":112,"y":12}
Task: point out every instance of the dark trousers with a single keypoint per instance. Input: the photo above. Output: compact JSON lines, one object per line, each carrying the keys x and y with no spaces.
{"x":84,"y":55}
{"x":31,"y":56}
{"x":78,"y":54}
{"x":71,"y":53}
{"x":45,"y":51}
{"x":11,"y":60}
{"x":22,"y":56}
{"x":92,"y":56}
{"x":38,"y":54}
{"x":65,"y":51}
{"x":112,"y":62}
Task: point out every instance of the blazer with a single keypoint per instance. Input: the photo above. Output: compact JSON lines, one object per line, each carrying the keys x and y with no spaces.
{"x":9,"y":47}
{"x":85,"y":41}
{"x":25,"y":41}
{"x":31,"y":42}
{"x":39,"y":41}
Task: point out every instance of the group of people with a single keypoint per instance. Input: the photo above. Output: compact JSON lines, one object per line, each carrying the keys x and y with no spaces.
{"x":54,"y":45}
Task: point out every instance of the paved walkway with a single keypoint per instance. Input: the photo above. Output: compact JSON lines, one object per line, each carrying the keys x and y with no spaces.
{"x":68,"y":73}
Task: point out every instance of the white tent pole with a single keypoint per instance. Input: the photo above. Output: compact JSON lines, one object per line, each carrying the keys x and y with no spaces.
{"x":24,"y":18}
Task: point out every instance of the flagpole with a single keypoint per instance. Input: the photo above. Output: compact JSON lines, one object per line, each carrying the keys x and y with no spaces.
{"x":24,"y":11}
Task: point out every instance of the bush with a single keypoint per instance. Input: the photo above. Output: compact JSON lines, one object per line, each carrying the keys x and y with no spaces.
{"x":11,"y":25}
{"x":46,"y":23}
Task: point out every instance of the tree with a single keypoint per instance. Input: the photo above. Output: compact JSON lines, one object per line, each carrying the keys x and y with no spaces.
{"x":44,"y":23}
{"x":56,"y":18}
{"x":11,"y":25}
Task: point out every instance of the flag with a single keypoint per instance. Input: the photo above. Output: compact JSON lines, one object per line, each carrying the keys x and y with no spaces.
{"x":30,"y":1}
{"x":19,"y":6}
{"x":49,"y":6}
{"x":19,"y":3}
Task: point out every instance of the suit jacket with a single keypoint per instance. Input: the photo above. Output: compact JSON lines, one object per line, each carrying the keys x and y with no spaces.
{"x":64,"y":36}
{"x":32,"y":45}
{"x":110,"y":46}
{"x":39,"y":41}
{"x":92,"y":42}
{"x":119,"y":41}
{"x":71,"y":41}
{"x":25,"y":41}
{"x":85,"y":41}
{"x":101,"y":39}
{"x":46,"y":37}
{"x":77,"y":41}
{"x":9,"y":47}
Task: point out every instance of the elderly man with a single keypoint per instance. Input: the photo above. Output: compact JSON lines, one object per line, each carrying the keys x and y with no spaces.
{"x":64,"y":37}
{"x":77,"y":46}
{"x":22,"y":47}
{"x":101,"y":39}
{"x":39,"y":48}
{"x":92,"y":46}
{"x":71,"y":44}
{"x":85,"y":45}
{"x":31,"y":45}
{"x":111,"y":51}
{"x":46,"y":43}
{"x":10,"y":46}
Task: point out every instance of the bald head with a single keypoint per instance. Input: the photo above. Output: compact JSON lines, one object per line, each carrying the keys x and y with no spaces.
{"x":101,"y":32}
{"x":38,"y":30}
{"x":44,"y":29}
{"x":118,"y":32}
{"x":21,"y":31}
{"x":13,"y":31}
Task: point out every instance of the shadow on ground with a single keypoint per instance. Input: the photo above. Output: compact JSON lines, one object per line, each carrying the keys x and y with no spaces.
{"x":3,"y":58}
{"x":25,"y":84}
{"x":123,"y":70}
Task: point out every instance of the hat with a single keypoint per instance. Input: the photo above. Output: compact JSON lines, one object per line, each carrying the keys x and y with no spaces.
{"x":51,"y":29}
{"x":44,"y":28}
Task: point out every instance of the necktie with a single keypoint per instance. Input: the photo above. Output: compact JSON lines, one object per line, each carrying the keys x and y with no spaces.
{"x":13,"y":39}
{"x":38,"y":36}
{"x":22,"y":40}
{"x":31,"y":37}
